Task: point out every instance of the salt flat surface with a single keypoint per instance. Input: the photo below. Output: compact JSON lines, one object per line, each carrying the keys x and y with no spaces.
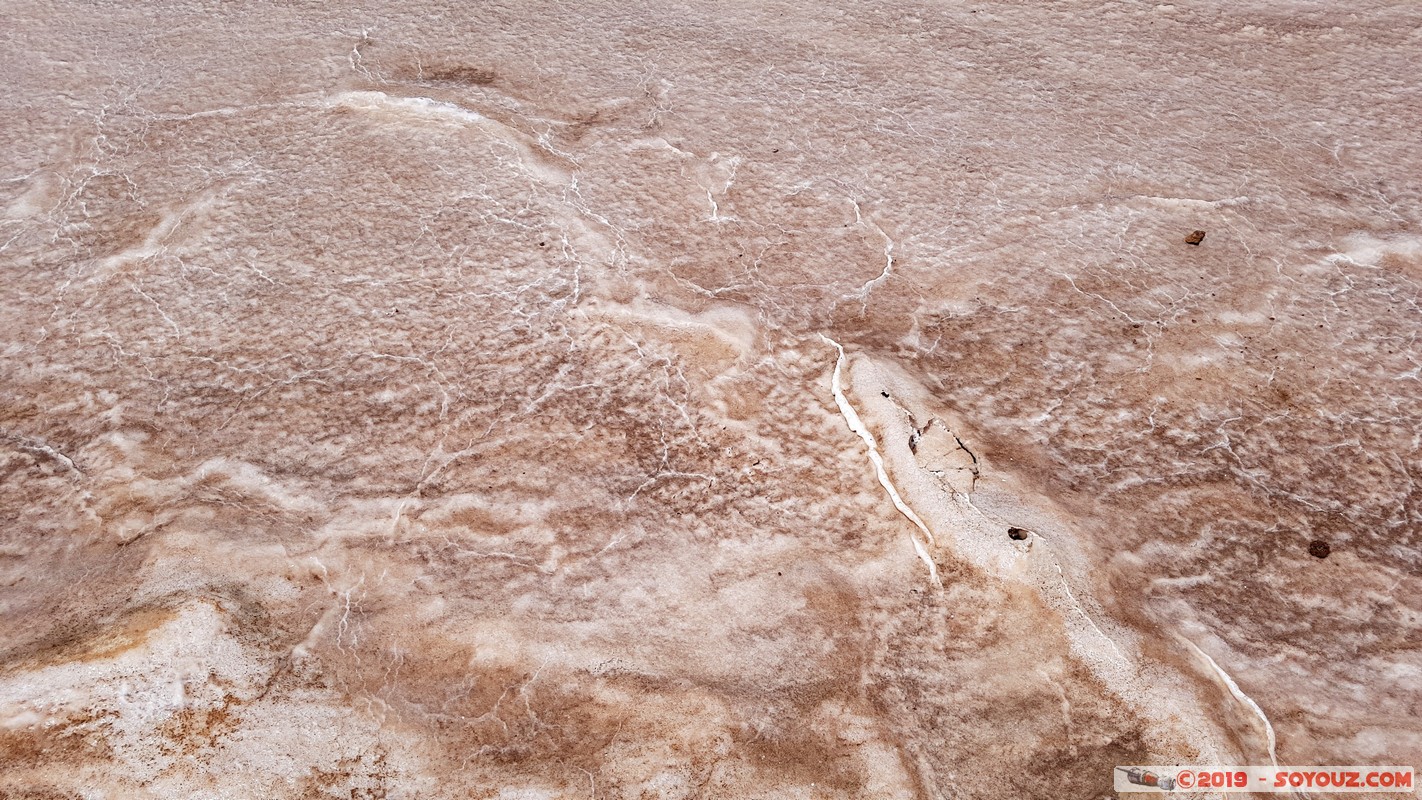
{"x":705,"y":400}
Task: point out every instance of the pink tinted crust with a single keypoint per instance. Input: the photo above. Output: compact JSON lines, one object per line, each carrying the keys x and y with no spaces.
{"x":456,"y":400}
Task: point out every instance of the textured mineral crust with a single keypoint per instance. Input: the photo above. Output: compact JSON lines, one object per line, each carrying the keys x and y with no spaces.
{"x":705,"y":399}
